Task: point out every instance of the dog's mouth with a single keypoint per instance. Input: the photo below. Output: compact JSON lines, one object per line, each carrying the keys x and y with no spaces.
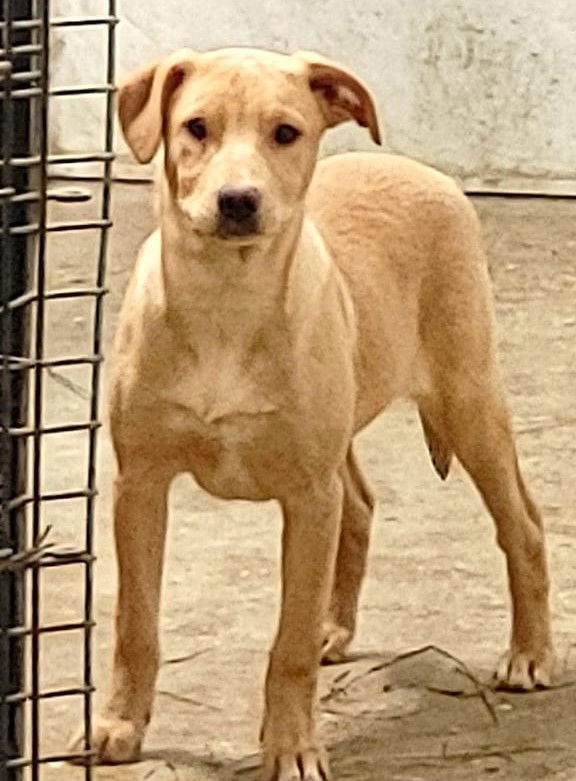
{"x":233,"y":230}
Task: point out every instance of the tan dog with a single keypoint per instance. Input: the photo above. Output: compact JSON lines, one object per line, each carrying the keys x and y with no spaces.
{"x":278,"y":309}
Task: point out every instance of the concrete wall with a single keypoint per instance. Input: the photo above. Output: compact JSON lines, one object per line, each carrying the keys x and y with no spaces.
{"x":484,"y":89}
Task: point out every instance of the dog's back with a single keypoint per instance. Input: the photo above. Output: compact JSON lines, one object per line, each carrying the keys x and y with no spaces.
{"x":408,"y":243}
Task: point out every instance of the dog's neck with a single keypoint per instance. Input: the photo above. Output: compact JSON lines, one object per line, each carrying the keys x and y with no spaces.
{"x":216,"y":290}
{"x":233,"y":310}
{"x":244,"y":318}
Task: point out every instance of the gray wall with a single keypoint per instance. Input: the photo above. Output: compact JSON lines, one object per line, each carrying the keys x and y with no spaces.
{"x":484,"y":89}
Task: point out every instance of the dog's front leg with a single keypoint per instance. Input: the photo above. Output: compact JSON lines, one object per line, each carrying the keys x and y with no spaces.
{"x":140,"y":509}
{"x":310,"y":541}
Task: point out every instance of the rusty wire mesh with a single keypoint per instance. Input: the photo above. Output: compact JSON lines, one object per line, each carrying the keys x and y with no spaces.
{"x":30,"y":541}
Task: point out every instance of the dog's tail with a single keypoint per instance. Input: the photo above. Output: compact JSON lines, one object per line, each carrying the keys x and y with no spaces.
{"x":440,"y":454}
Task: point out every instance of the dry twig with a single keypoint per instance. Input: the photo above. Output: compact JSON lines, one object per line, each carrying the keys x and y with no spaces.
{"x":188,"y":700}
{"x":461,"y":666}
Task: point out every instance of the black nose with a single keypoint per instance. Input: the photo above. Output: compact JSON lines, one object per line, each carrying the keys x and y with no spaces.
{"x":238,"y":204}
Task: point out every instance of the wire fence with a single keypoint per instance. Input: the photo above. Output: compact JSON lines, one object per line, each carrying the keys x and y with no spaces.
{"x":37,"y":223}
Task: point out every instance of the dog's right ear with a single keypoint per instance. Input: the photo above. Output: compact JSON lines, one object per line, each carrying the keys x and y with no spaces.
{"x":143,"y":97}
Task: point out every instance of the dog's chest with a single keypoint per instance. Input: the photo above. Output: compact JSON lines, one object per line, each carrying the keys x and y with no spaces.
{"x":220,"y":386}
{"x":223,"y":413}
{"x":229,"y":459}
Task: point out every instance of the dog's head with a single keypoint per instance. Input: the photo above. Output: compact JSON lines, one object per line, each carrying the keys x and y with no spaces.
{"x":241,"y":129}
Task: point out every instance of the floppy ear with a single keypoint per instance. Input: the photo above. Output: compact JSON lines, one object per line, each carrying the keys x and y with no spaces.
{"x":342,"y":95}
{"x":142,"y":99}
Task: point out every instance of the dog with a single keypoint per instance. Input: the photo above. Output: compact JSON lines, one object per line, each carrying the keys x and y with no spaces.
{"x":278,"y":309}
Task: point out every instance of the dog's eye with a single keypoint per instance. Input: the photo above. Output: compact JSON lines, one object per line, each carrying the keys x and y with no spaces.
{"x":286,"y":134}
{"x":197,"y":128}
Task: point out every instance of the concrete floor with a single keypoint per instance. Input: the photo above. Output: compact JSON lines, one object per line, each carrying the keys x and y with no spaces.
{"x":435,"y":575}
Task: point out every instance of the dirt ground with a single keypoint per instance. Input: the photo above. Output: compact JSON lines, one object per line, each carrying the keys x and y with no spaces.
{"x":435,"y":577}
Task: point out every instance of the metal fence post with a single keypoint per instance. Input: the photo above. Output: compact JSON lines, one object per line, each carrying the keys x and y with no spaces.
{"x":15,"y":120}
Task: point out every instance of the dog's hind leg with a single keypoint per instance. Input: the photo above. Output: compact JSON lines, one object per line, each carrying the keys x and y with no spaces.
{"x":471,"y":419}
{"x":357,"y":511}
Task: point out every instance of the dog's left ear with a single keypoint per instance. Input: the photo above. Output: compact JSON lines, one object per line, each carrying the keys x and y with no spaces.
{"x":342,"y":95}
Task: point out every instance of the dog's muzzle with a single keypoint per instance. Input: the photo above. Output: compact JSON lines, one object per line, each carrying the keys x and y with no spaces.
{"x":238,"y":211}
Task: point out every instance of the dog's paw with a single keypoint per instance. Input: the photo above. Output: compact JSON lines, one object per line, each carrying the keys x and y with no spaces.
{"x":524,"y":671}
{"x":114,"y":740}
{"x":336,"y":642}
{"x":306,"y":765}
